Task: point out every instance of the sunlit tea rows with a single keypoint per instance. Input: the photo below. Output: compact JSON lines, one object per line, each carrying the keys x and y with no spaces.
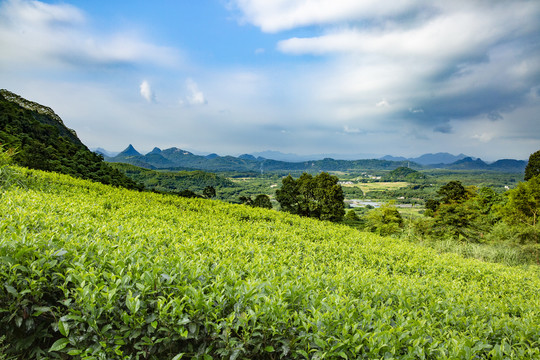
{"x":97,"y":272}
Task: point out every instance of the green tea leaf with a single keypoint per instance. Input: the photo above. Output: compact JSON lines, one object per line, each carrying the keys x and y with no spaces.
{"x":63,"y":327}
{"x":59,"y":344}
{"x":10,"y":289}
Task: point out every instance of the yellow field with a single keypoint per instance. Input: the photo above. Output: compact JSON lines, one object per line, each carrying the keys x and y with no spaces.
{"x":365,"y":187}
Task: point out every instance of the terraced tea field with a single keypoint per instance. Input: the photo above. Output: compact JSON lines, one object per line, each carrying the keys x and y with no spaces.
{"x":89,"y":271}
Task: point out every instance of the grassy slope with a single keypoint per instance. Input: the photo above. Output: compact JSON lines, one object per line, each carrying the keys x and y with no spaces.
{"x":131,"y":273}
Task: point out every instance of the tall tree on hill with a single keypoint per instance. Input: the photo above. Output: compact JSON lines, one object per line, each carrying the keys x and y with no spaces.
{"x":209,"y":192}
{"x":318,"y":197}
{"x":330,"y":197}
{"x":287,"y":195}
{"x":533,"y":166}
{"x":453,"y":192}
{"x":262,"y":201}
{"x":523,"y":211}
{"x":523,"y":206}
{"x":385,"y":220}
{"x":456,"y":213}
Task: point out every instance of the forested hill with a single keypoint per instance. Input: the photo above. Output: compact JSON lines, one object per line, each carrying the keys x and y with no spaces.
{"x":173,"y":181}
{"x":42,"y":141}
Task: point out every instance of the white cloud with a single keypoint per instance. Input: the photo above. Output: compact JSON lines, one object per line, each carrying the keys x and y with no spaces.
{"x":47,"y":35}
{"x":41,"y":13}
{"x":483,"y":137}
{"x":350,"y":130}
{"x":382,"y":103}
{"x":455,"y":33}
{"x":146,"y":92}
{"x":279,"y":15}
{"x":195,"y":96}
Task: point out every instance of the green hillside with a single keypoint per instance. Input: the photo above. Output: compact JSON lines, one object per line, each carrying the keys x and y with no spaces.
{"x":42,"y":141}
{"x":404,"y":174}
{"x":96,"y":272}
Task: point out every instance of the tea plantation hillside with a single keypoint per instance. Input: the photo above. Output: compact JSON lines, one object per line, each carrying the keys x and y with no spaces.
{"x":89,"y":271}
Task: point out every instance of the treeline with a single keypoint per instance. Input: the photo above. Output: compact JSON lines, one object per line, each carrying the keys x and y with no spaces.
{"x":173,"y":181}
{"x":404,"y":174}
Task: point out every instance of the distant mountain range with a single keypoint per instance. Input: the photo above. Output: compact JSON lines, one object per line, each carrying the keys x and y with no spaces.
{"x":178,"y":159}
{"x":105,"y":152}
{"x":504,"y":165}
{"x":429,"y":159}
{"x":277,"y":155}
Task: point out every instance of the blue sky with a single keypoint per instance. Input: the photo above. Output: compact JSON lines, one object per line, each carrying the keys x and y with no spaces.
{"x":361,"y":78}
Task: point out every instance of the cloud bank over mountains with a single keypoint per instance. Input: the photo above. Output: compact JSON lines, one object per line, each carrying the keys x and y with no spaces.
{"x":403,"y":77}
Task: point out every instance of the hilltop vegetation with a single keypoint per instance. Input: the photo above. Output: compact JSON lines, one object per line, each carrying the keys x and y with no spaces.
{"x":92,"y":271}
{"x":404,"y":174}
{"x":42,"y":141}
{"x":173,"y":181}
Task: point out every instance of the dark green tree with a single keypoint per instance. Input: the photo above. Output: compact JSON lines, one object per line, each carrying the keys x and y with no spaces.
{"x":522,"y":213}
{"x":245,"y":200}
{"x":262,"y":201}
{"x":385,"y":220}
{"x":533,"y":166}
{"x":487,"y":202}
{"x":209,"y":192}
{"x":329,"y":196}
{"x":307,"y":201}
{"x":457,"y":220}
{"x":523,"y":206}
{"x":287,"y":195}
{"x":318,"y":197}
{"x":457,"y":213}
{"x":432,"y":204}
{"x":351,"y":216}
{"x":452,"y":192}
